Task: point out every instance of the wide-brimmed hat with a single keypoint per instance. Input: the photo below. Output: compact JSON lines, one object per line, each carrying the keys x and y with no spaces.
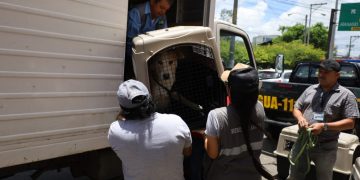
{"x":132,"y":94}
{"x":242,"y":77}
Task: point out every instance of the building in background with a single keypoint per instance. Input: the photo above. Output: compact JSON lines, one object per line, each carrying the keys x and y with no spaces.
{"x":263,"y":40}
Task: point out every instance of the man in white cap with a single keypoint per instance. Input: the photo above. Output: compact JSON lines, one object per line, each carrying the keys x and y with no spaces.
{"x":151,"y":145}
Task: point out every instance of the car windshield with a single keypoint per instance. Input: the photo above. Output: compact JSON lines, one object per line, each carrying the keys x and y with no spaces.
{"x":287,"y":75}
{"x":268,"y":75}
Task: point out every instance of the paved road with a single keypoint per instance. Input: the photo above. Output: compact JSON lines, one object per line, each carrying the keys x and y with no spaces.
{"x":62,"y":174}
{"x":267,"y":159}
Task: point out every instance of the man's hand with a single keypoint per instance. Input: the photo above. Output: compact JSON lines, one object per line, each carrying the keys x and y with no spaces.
{"x":317,"y":128}
{"x":302,"y":122}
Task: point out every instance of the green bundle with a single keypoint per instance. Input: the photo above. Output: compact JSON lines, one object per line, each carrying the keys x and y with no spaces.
{"x":299,"y":154}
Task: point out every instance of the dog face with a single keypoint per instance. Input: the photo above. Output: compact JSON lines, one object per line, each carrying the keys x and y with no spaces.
{"x":164,"y":69}
{"x":162,"y":72}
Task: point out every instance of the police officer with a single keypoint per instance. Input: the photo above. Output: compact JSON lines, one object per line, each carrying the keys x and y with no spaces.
{"x":327,"y":108}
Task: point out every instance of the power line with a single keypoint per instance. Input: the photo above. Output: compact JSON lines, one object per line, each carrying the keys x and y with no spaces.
{"x":303,"y":6}
{"x":283,"y":2}
{"x":279,"y":11}
{"x":298,"y":3}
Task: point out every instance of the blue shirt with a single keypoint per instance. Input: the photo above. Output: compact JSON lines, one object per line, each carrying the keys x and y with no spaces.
{"x":136,"y":27}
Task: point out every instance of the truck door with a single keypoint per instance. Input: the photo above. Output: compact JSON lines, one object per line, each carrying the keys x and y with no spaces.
{"x":61,"y":62}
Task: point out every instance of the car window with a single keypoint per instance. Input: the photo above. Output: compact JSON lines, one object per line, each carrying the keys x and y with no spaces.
{"x":302,"y":72}
{"x":348,"y":72}
{"x":348,"y":76}
{"x":287,"y":75}
{"x":268,"y":75}
{"x":233,"y":49}
{"x":314,"y":71}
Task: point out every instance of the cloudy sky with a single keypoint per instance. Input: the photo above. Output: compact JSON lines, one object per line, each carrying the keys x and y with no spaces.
{"x":263,"y":17}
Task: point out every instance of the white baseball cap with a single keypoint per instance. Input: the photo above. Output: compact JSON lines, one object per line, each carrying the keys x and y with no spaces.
{"x":128,"y":91}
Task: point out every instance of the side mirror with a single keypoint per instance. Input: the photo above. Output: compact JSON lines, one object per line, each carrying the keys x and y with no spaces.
{"x":279,"y":63}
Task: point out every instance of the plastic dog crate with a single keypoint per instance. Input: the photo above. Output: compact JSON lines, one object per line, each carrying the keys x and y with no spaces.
{"x":346,"y":153}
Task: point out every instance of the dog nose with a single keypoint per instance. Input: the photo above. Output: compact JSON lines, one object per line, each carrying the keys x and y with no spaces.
{"x":166,"y":76}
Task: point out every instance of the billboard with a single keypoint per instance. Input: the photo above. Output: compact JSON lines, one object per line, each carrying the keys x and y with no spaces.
{"x":349,"y":17}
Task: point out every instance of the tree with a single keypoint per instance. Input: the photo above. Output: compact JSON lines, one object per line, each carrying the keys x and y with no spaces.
{"x":240,"y":53}
{"x":226,"y":15}
{"x":318,"y":34}
{"x":291,"y":33}
{"x":294,"y":51}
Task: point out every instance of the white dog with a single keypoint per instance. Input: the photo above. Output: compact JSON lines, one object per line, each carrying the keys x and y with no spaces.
{"x":162,"y":72}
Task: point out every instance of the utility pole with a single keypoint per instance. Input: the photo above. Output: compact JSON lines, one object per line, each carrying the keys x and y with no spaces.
{"x":350,"y":44}
{"x":331,"y":34}
{"x":305,"y":29}
{"x":311,"y":6}
{"x":234,"y":18}
{"x":232,"y":41}
{"x":332,"y":30}
{"x":305,"y":26}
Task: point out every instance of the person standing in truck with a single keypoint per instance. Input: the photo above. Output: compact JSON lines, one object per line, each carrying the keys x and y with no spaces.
{"x":234,"y":134}
{"x":144,"y":17}
{"x":327,"y":108}
{"x":150,"y":145}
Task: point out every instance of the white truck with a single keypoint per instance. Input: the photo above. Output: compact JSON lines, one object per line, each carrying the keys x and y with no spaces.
{"x":61,"y":62}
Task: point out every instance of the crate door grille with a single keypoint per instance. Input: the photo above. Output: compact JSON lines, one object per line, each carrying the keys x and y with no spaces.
{"x":184,"y":81}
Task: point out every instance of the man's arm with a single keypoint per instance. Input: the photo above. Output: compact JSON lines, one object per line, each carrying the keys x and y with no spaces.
{"x":297,"y":113}
{"x":212,"y":141}
{"x":212,"y":146}
{"x":341,"y":125}
{"x":134,"y":23}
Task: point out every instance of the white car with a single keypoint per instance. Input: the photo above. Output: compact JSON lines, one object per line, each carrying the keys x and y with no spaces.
{"x":269,"y":75}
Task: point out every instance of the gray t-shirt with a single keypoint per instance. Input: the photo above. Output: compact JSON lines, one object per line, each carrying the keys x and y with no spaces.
{"x":151,"y":149}
{"x":234,"y":161}
{"x":337,"y":104}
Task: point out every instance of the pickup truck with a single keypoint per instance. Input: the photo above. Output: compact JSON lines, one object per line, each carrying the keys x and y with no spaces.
{"x":279,"y":98}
